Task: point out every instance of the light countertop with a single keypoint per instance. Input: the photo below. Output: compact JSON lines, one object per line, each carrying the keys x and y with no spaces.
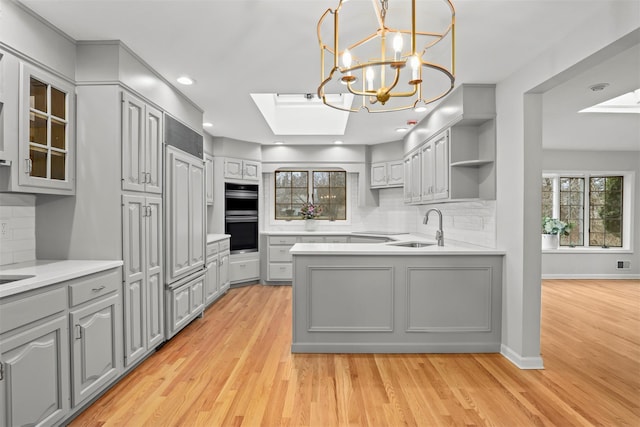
{"x":392,"y":248}
{"x":211,"y":238}
{"x":46,"y":273}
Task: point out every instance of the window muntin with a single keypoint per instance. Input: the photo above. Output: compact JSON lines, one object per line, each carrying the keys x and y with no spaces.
{"x":605,"y":216}
{"x":327,"y":189}
{"x":291,"y":192}
{"x":330,"y":192}
{"x":592,"y":202}
{"x":48,"y":131}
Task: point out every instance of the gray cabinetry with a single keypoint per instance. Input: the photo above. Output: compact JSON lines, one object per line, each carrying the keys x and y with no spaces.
{"x":387,"y":174}
{"x":185,"y":201}
{"x":217,"y":278}
{"x":34,"y":357}
{"x":184,"y":302}
{"x":141,"y":146}
{"x":239,"y":169}
{"x":143,"y":283}
{"x":224,"y":258}
{"x":96,"y":356}
{"x":208,"y":160}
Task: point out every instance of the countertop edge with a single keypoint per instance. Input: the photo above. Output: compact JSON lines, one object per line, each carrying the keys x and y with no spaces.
{"x":50,"y":272}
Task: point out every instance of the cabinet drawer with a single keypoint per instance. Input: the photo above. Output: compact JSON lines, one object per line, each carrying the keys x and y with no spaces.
{"x":282,"y":271}
{"x":282,"y":240}
{"x":336,"y":239}
{"x":279,"y":253}
{"x":312,"y":239}
{"x":25,"y":310}
{"x":94,"y":286}
{"x":223,"y":245}
{"x":244,"y":270}
{"x":212,"y":249}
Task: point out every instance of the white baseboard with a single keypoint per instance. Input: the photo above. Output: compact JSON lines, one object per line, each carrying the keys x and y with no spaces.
{"x":519,"y":361}
{"x":592,"y":276}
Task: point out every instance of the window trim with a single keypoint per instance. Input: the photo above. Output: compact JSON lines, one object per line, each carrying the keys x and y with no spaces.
{"x":627,"y":209}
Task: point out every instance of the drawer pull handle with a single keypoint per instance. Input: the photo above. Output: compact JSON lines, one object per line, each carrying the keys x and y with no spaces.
{"x":98,"y":289}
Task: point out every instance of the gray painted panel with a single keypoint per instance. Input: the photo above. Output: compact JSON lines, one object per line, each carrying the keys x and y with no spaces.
{"x":336,"y":294}
{"x":449,"y":299}
{"x":22,"y":310}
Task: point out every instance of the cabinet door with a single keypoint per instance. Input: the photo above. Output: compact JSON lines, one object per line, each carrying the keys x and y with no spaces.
{"x":224,"y":272}
{"x":196,"y":298}
{"x":46,"y":146}
{"x":395,"y":173}
{"x":233,"y":168}
{"x":378,"y":174}
{"x":250,"y":170}
{"x":415,"y":176}
{"x":179,"y":221}
{"x":209,"y":177}
{"x":212,"y":287}
{"x":135,"y":266}
{"x":181,"y":307}
{"x":96,"y":346}
{"x":196,"y":215}
{"x":154,"y":283}
{"x":35,"y":387}
{"x":428,"y":164}
{"x":153,"y":150}
{"x":441,"y":161}
{"x":408,"y":184}
{"x":134,"y":174}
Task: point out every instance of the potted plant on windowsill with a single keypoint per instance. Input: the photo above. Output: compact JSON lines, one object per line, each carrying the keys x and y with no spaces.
{"x":309,"y":213}
{"x":552,"y":229}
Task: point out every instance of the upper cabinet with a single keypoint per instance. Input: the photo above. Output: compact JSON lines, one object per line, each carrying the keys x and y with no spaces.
{"x":43,"y":160}
{"x":387,"y":174}
{"x":239,"y":169}
{"x":141,"y":146}
{"x":457,"y":159}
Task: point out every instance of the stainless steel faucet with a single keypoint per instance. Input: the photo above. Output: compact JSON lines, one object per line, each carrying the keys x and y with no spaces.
{"x":439,"y":232}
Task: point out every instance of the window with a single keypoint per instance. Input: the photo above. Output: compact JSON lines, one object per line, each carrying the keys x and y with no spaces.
{"x":327,"y":189}
{"x":594,"y":204}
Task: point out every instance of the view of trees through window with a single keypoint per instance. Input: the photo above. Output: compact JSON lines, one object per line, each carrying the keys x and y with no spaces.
{"x":593,"y":204}
{"x":326,"y":189}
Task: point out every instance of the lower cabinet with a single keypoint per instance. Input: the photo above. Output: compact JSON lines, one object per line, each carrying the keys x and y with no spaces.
{"x":35,"y":383}
{"x":217,"y":277}
{"x":223,"y":271}
{"x":96,"y":346}
{"x":185,"y":301}
{"x":59,"y":347}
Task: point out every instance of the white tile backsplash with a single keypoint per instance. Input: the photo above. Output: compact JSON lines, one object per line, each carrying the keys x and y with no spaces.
{"x":18,"y":219}
{"x":470,"y":222}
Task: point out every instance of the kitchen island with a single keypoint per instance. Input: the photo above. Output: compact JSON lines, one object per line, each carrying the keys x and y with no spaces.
{"x":405,"y":296}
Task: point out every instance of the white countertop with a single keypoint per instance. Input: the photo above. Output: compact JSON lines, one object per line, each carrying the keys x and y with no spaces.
{"x":391,"y":248}
{"x":211,"y":238}
{"x":332,"y":233}
{"x":46,"y":273}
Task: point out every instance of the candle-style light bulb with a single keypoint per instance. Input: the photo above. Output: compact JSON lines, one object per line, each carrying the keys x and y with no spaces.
{"x":346,"y":58}
{"x":370,"y":75}
{"x":397,"y":45}
{"x":415,"y":67}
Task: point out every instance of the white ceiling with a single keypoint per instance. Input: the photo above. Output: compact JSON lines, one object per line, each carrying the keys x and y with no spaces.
{"x":233,"y":48}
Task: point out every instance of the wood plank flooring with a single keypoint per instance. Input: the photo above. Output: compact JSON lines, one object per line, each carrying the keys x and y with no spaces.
{"x":234,"y":368}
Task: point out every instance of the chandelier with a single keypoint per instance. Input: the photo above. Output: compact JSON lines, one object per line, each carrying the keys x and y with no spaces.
{"x":383,"y":58}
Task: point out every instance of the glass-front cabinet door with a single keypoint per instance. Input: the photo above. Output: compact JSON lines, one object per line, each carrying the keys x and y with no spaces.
{"x":46,"y":155}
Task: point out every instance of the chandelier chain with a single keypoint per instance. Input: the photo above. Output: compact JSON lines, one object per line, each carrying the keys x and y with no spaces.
{"x":385,"y":5}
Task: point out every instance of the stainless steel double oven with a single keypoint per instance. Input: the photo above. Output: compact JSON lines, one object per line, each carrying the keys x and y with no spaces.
{"x":241,"y":217}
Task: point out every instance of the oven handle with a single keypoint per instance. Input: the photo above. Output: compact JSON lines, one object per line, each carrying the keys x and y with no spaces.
{"x":241,"y":219}
{"x":239,"y":194}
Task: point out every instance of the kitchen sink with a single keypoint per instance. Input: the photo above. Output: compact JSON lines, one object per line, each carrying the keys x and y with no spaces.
{"x":412,"y":244}
{"x":4,"y":279}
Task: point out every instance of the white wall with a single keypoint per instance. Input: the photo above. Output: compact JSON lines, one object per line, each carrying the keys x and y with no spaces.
{"x":519,"y":166}
{"x":602,"y":264}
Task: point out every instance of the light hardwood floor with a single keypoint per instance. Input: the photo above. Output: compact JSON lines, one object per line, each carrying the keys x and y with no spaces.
{"x":234,"y":368}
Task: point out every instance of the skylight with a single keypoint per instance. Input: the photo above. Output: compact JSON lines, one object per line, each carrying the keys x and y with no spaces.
{"x":626,"y":103}
{"x":302,"y":114}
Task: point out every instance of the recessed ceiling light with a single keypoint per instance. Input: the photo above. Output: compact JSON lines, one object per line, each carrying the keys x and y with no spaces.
{"x":420,"y":109}
{"x":279,"y":142}
{"x":207,"y":124}
{"x":338,"y":142}
{"x":401,"y":130}
{"x":185,"y":80}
